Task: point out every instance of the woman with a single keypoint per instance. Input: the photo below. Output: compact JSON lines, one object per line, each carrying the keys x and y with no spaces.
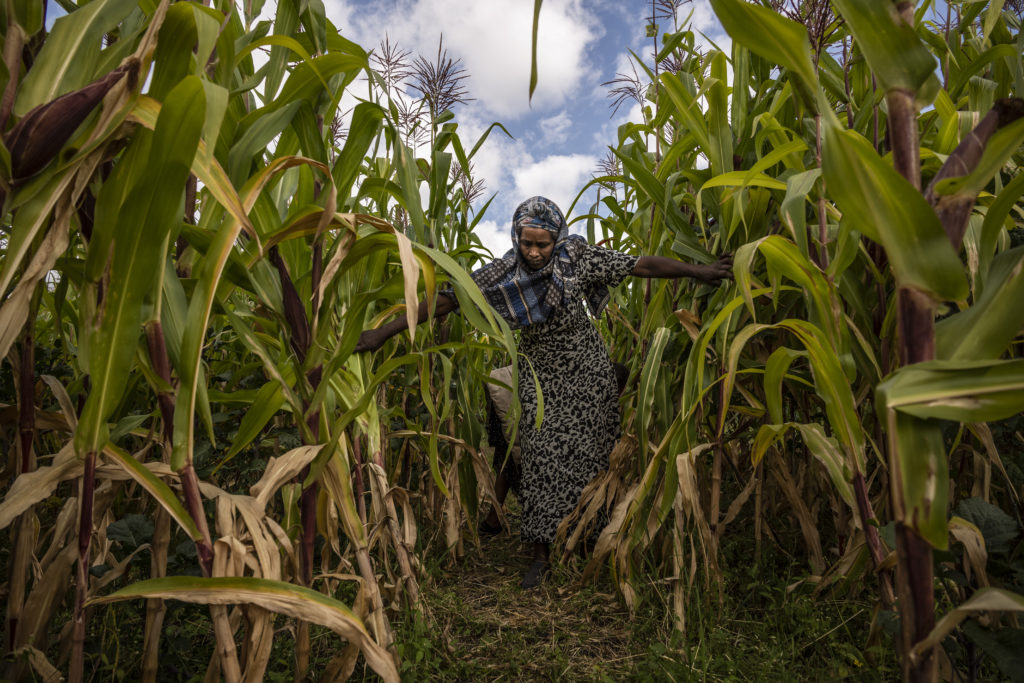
{"x":539,"y":287}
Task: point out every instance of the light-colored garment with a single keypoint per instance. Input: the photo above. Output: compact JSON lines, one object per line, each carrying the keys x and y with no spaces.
{"x":502,"y":399}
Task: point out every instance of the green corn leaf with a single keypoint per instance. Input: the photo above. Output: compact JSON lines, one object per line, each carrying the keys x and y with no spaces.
{"x":1003,"y":144}
{"x":687,"y":108}
{"x":794,"y":211}
{"x":891,"y":47}
{"x":986,"y":329}
{"x":366,"y":122}
{"x":648,"y":378}
{"x":288,"y":599}
{"x":880,"y":203}
{"x":29,"y":15}
{"x":740,"y":91}
{"x":719,"y":133}
{"x":268,"y":401}
{"x":173,"y":58}
{"x":265,"y":127}
{"x":155,"y":487}
{"x":822,"y":448}
{"x":962,"y":391}
{"x":408,"y":181}
{"x":70,"y":55}
{"x":775,"y":371}
{"x":144,"y":220}
{"x":533,"y":47}
{"x":833,"y":387}
{"x":286,"y":21}
{"x":996,"y":220}
{"x":919,"y":472}
{"x":306,"y":80}
{"x":778,"y":39}
{"x":739,"y":341}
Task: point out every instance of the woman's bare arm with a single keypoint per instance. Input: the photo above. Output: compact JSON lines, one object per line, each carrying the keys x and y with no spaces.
{"x":664,"y":267}
{"x":371,"y":340}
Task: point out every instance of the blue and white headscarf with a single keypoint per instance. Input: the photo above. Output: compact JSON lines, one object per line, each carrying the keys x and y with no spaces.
{"x":527,"y":297}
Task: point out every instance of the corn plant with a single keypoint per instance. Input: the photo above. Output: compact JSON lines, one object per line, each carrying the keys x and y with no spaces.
{"x":187,"y":225}
{"x":808,"y":167}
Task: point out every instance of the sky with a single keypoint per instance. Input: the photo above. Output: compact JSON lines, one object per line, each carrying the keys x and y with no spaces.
{"x":558,"y":138}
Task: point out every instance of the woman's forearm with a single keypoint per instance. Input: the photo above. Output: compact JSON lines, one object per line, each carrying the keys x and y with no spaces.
{"x":664,"y":267}
{"x":374,"y":339}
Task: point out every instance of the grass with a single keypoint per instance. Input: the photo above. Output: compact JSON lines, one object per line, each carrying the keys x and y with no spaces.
{"x":480,"y":625}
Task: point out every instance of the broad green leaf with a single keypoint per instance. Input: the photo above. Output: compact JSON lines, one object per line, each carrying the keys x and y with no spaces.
{"x":29,"y":14}
{"x":774,"y":37}
{"x":775,"y":371}
{"x":70,"y":53}
{"x":205,"y":166}
{"x":155,"y":487}
{"x":265,"y":127}
{"x":833,"y":387}
{"x":648,"y":378}
{"x":996,"y":218}
{"x":268,"y":401}
{"x":919,"y":471}
{"x":286,"y":21}
{"x":822,"y":448}
{"x":288,"y":599}
{"x":794,"y":207}
{"x":962,"y":391}
{"x":306,"y":80}
{"x":719,"y":133}
{"x":173,"y":58}
{"x":533,"y":49}
{"x":366,"y":123}
{"x":891,"y":47}
{"x":985,"y":330}
{"x":739,"y":341}
{"x":687,"y":108}
{"x":881,"y":204}
{"x":1003,"y":144}
{"x":150,"y":210}
{"x":408,"y":181}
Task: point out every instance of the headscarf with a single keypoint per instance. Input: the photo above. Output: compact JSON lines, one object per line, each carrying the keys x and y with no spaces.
{"x":527,"y":297}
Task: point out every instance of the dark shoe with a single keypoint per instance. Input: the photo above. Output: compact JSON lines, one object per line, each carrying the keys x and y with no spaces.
{"x":486,"y":529}
{"x":536,"y":574}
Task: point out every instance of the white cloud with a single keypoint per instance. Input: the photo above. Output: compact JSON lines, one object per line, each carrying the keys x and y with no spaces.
{"x":493,"y":40}
{"x":495,"y":237}
{"x":558,"y":177}
{"x":555,"y":129}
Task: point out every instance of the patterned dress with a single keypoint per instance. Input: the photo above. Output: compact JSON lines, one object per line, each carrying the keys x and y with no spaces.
{"x":581,"y":408}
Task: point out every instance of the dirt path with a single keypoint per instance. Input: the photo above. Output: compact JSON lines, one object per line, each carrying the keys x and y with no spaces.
{"x":488,"y":628}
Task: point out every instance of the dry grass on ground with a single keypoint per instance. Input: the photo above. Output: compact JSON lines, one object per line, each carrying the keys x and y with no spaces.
{"x":485,"y":627}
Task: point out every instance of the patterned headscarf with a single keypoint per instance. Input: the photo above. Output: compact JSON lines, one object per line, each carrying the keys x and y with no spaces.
{"x":527,"y":297}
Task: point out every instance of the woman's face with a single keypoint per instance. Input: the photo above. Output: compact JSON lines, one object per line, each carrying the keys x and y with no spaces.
{"x":536,"y":245}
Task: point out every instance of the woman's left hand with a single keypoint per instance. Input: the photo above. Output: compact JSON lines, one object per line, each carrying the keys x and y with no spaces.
{"x":717,"y":271}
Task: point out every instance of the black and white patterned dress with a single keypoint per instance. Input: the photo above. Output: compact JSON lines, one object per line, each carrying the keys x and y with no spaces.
{"x":581,"y":409}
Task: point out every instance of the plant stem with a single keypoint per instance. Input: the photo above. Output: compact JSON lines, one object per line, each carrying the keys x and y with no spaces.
{"x":85,"y":503}
{"x":822,"y":223}
{"x":874,"y":543}
{"x":194,"y":505}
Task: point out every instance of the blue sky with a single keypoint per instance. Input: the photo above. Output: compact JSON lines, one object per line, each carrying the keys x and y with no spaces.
{"x":559,"y":137}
